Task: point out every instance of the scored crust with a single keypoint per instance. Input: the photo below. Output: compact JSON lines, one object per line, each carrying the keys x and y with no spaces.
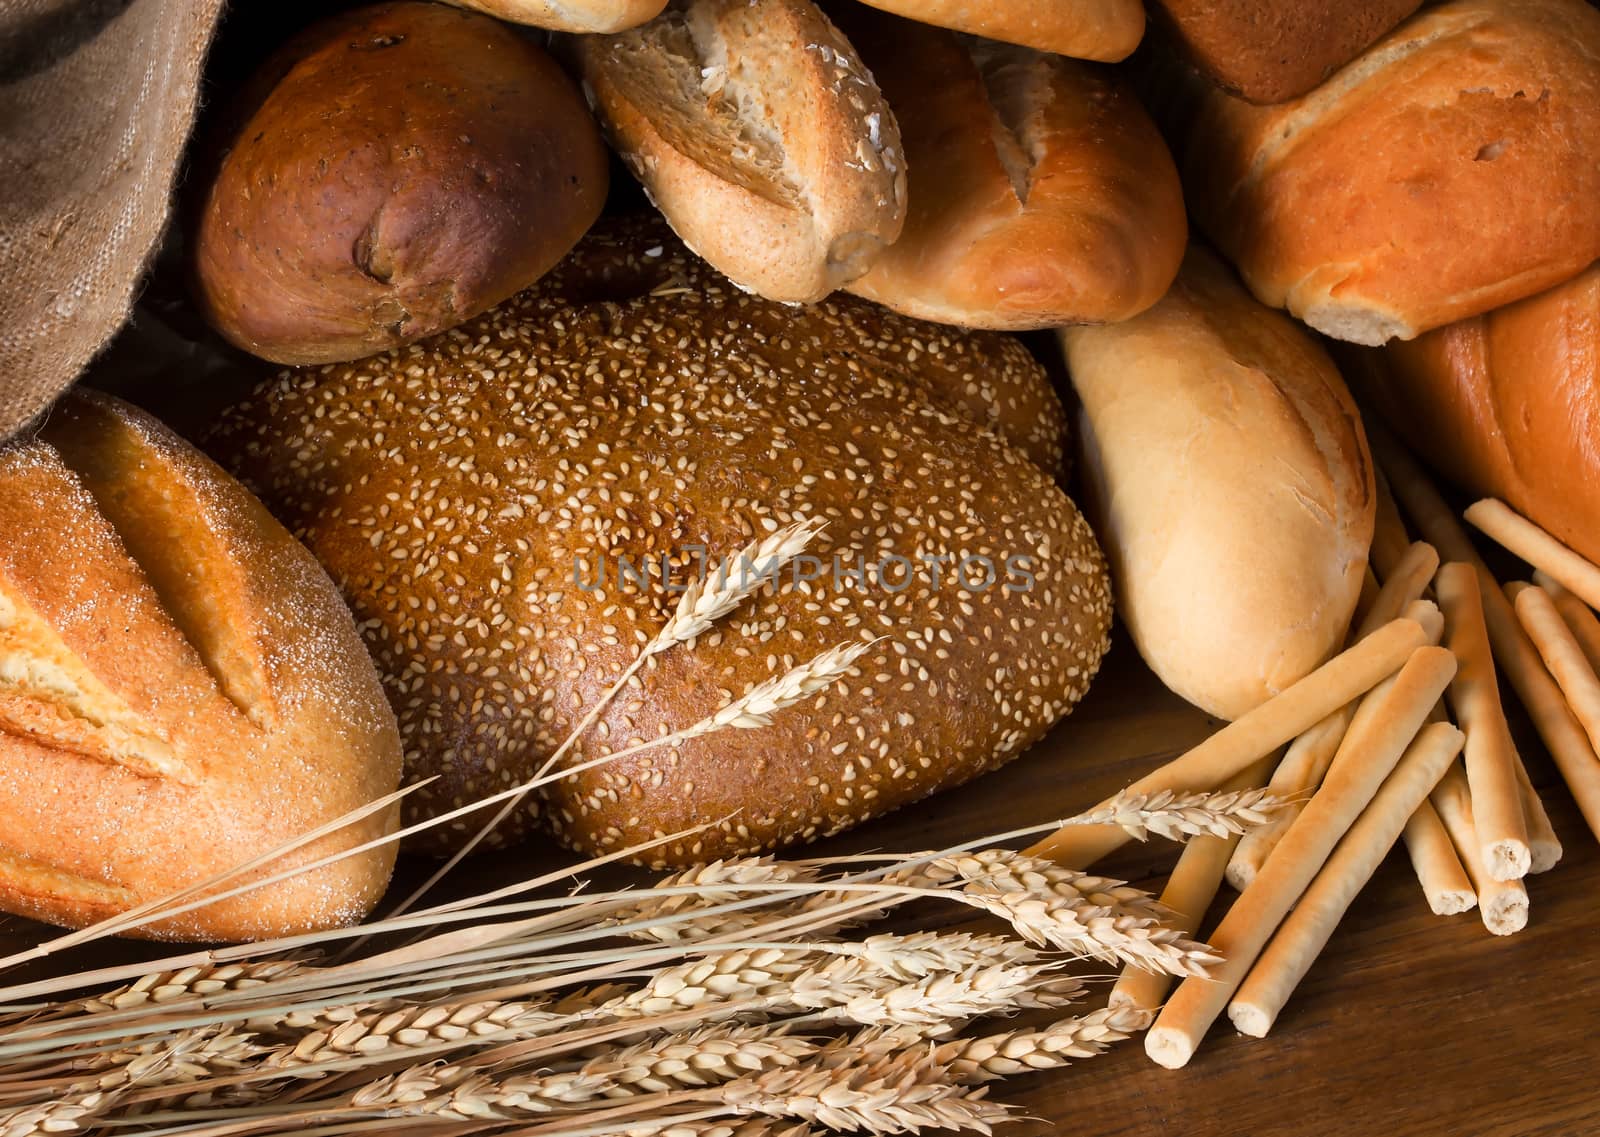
{"x":760,"y":135}
{"x":463,"y":492}
{"x":181,"y":690}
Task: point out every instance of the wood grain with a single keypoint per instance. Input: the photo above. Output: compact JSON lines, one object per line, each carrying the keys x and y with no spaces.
{"x":1410,"y":1025}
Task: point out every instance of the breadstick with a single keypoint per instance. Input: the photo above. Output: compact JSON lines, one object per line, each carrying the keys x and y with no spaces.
{"x":1544,"y":847}
{"x":1438,"y":868}
{"x":1503,"y":904}
{"x":1580,"y":618}
{"x":1303,"y":767}
{"x":1475,"y":695}
{"x":1189,"y":892}
{"x":1365,"y":758}
{"x":1563,"y":656}
{"x":1538,"y":548}
{"x":1389,"y":539}
{"x":1514,"y":652}
{"x":1252,"y":735}
{"x":1305,"y":931}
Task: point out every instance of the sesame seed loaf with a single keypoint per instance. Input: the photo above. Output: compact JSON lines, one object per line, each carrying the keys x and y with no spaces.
{"x":181,"y":691}
{"x":464,"y":492}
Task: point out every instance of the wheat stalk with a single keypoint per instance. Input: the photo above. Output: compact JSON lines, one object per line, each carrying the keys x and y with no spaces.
{"x":1177,"y":816}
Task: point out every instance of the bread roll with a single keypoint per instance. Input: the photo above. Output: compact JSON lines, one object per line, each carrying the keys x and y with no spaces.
{"x":1228,"y":474}
{"x":1039,"y":191}
{"x":570,"y":15}
{"x":1107,"y":30}
{"x":181,"y":690}
{"x":469,"y":492}
{"x":393,"y":171}
{"x":1507,"y":405}
{"x":757,"y":131}
{"x":1447,"y":171}
{"x":1268,"y":51}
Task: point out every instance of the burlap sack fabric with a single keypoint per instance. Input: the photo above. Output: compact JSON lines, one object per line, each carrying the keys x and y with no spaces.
{"x":96,"y":101}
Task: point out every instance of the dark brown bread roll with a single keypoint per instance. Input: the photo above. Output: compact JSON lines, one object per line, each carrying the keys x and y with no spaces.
{"x":466,"y":491}
{"x":395,"y":170}
{"x":181,"y":690}
{"x":1271,"y":50}
{"x":1507,"y":404}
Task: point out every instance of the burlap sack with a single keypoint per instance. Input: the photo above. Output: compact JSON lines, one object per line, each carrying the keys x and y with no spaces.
{"x":96,"y":100}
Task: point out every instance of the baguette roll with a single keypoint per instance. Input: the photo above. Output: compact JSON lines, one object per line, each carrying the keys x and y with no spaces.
{"x":181,"y":690}
{"x":1447,"y":171}
{"x":476,"y":497}
{"x":1039,"y":191}
{"x":1106,"y":30}
{"x":757,"y":131}
{"x":1228,"y":474}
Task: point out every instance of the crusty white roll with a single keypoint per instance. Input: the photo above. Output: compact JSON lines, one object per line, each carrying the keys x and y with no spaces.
{"x":1107,"y":30}
{"x":1447,"y":171}
{"x":1229,"y":477}
{"x":1040,"y":193}
{"x":757,"y":131}
{"x":181,"y":690}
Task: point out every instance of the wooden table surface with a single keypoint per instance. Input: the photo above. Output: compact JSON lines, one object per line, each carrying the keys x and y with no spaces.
{"x":1410,"y":1025}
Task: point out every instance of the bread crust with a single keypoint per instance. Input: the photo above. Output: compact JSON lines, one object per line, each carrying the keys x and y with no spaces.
{"x":379,"y":184}
{"x":1507,"y":405}
{"x":1447,"y":171}
{"x":181,"y":689}
{"x":1104,"y":30}
{"x":757,"y":131}
{"x":1269,"y":51}
{"x":1228,"y":474}
{"x":634,"y":404}
{"x":1039,"y":191}
{"x":579,"y":16}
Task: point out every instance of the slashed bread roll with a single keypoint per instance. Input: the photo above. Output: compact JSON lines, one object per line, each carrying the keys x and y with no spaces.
{"x":1448,"y":170}
{"x":1039,"y":191}
{"x":1229,"y":477}
{"x":181,"y":691}
{"x":477,"y":496}
{"x":757,"y":131}
{"x":1107,"y":30}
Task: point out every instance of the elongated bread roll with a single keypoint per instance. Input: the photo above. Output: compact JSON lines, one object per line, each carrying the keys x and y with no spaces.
{"x":1448,"y":170}
{"x":1106,"y":30}
{"x":1231,"y":484}
{"x":760,"y":135}
{"x":1040,"y":193}
{"x":181,"y":691}
{"x":570,"y":15}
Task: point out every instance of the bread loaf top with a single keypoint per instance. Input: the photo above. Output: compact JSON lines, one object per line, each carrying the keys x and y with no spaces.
{"x":476,"y":496}
{"x":181,"y":690}
{"x":1448,"y":170}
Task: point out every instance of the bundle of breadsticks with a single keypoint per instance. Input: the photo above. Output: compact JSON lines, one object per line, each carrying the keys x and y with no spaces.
{"x":1402,"y":736}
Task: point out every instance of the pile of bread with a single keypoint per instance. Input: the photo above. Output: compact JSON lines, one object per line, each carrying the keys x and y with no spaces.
{"x":498,"y":396}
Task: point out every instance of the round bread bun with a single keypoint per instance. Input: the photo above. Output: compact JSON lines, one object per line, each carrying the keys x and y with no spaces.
{"x":181,"y":691}
{"x":1507,"y":404}
{"x":468,"y":492}
{"x":1038,"y":193}
{"x":392,"y":171}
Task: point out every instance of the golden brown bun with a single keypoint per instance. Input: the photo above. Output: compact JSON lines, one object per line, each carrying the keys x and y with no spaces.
{"x":1447,"y":171}
{"x":1508,"y":405}
{"x":636,"y":405}
{"x":1107,"y":30}
{"x":395,"y":170}
{"x":758,"y":133}
{"x":181,"y":689}
{"x":1230,"y":480}
{"x":570,"y":15}
{"x":1268,"y":51}
{"x":1039,"y":191}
